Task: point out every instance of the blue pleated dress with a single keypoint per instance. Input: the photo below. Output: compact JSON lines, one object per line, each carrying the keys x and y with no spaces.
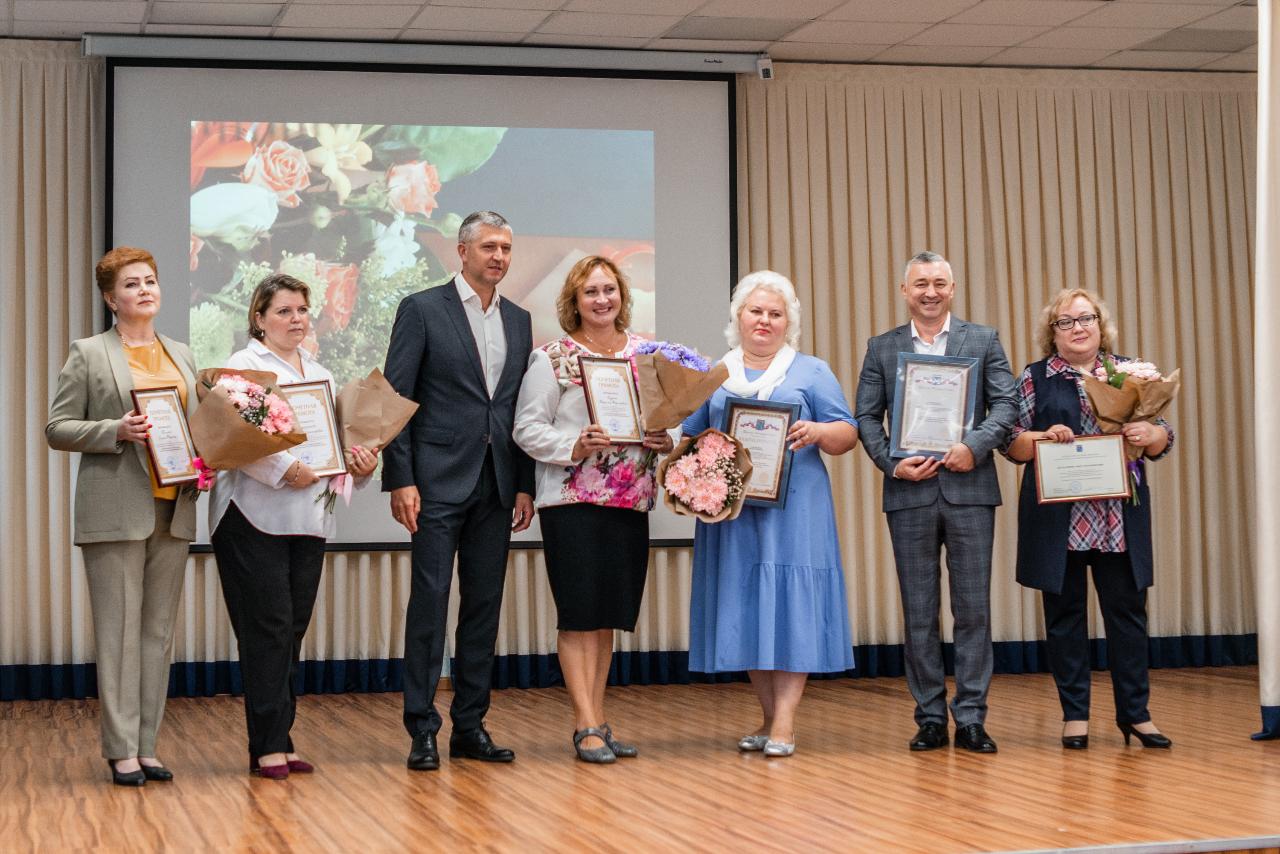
{"x":768,"y":588}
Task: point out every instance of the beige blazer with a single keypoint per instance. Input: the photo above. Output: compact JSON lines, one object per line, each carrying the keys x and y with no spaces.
{"x":113,"y":490}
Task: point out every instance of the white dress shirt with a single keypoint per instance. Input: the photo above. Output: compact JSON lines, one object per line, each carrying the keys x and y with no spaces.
{"x":487,"y":329}
{"x":939,"y":345}
{"x":258,"y":489}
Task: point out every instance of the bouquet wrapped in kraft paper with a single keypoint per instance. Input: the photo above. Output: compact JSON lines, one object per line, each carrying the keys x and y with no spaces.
{"x":371,"y":413}
{"x":240,"y":418}
{"x":705,"y":476}
{"x":1124,"y":392}
{"x":673,"y":381}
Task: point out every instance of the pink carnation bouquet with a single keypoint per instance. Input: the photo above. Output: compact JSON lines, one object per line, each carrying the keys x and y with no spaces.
{"x":240,"y":418}
{"x":706,"y":476}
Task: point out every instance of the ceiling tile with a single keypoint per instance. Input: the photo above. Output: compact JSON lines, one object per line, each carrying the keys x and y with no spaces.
{"x":810,"y":52}
{"x":230,"y":14}
{"x":68,"y":29}
{"x":740,"y":29}
{"x":1114,"y":38}
{"x":545,"y":5}
{"x":1167,"y":15}
{"x":1234,"y":62}
{"x":709,"y":45}
{"x":1206,"y":40}
{"x":1046,"y":57}
{"x":1235,"y":18}
{"x":340,"y":33}
{"x":480,"y":20}
{"x":1168,"y":59}
{"x":419,"y":35}
{"x":599,"y":24}
{"x":975,"y":35}
{"x":370,"y":16}
{"x":206,"y":30}
{"x":802,"y":9}
{"x":79,"y":11}
{"x":1034,"y":12}
{"x":924,"y":11}
{"x":589,"y":42}
{"x":625,"y":7}
{"x":855,"y":32}
{"x":907,"y":54}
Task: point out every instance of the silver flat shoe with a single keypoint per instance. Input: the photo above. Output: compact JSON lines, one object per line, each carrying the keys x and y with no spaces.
{"x":620,"y":749}
{"x":752,"y":743}
{"x":594,"y":755}
{"x":779,"y":748}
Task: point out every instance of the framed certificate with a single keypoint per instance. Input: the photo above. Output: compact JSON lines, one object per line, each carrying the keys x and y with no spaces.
{"x":312,"y":402}
{"x":169,"y":443}
{"x":1085,"y":469}
{"x":933,"y":404}
{"x":762,"y":426}
{"x":612,"y":399}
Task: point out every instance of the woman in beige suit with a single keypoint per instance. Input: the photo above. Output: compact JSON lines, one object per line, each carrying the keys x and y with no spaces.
{"x":133,"y":533}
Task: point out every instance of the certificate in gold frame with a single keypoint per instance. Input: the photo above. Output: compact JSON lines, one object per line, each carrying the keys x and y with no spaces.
{"x":612,"y":400}
{"x":1088,"y":468}
{"x":312,"y":402}
{"x":169,"y":444}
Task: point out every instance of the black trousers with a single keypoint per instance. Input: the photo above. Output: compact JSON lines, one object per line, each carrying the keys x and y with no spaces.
{"x":478,"y":531}
{"x":269,"y":583}
{"x":1124,"y":618}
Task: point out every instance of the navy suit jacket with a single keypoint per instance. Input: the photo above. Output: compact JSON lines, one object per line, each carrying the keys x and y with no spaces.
{"x":997,"y":409}
{"x":433,"y":359}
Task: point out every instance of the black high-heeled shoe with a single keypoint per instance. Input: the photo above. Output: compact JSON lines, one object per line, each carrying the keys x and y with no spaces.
{"x":126,"y":778}
{"x":1076,"y":742}
{"x":1147,"y":739}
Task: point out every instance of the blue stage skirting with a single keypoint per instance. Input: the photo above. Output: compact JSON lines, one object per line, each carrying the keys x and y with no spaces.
{"x":204,"y":679}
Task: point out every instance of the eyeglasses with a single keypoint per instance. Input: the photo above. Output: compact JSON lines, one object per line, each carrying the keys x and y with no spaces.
{"x":1066,"y":323}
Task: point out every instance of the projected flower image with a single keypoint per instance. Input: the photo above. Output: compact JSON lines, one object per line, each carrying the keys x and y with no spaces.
{"x":366,"y":214}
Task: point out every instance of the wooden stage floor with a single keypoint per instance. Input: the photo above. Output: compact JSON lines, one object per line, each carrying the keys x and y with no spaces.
{"x":851,"y":786}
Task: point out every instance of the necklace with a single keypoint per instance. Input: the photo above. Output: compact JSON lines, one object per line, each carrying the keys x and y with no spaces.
{"x":600,"y":347}
{"x":127,"y":343}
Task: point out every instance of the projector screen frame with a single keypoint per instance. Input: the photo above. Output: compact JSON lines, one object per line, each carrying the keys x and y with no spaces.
{"x":728,"y":79}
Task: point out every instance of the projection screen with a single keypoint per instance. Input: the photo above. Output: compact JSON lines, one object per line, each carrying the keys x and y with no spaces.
{"x":355,"y":181}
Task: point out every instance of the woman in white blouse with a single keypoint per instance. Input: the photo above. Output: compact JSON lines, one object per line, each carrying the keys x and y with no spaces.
{"x":269,"y":529}
{"x":593,"y":497}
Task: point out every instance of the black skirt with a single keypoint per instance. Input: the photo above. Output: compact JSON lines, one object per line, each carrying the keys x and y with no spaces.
{"x":597,"y":561}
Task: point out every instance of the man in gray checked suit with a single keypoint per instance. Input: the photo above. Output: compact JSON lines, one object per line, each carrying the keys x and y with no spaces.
{"x":930,"y":502}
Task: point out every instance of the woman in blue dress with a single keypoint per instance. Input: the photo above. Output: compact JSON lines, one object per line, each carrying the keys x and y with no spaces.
{"x":768,"y":589}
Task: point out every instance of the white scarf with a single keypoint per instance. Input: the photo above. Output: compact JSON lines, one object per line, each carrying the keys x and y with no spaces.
{"x":763,"y":385}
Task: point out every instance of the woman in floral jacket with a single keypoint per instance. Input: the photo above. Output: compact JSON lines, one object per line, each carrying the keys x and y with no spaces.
{"x":593,"y":497}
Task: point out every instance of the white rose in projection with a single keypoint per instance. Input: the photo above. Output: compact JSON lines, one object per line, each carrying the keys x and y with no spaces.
{"x":235,"y":214}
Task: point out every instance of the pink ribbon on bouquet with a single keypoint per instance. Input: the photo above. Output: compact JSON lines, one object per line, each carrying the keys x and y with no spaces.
{"x":341,"y":484}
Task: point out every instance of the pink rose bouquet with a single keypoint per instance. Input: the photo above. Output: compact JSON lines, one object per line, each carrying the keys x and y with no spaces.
{"x":240,"y":418}
{"x":705,"y":476}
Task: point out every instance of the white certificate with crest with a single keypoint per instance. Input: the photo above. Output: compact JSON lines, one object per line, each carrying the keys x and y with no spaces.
{"x":169,"y":443}
{"x":1085,"y":469}
{"x":612,"y":399}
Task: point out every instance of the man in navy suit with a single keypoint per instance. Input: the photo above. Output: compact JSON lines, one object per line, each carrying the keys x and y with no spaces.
{"x":934,"y":502}
{"x":458,"y":482}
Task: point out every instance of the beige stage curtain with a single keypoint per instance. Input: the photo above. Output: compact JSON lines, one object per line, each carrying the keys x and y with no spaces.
{"x":1266,"y":453}
{"x":1138,"y":185}
{"x":51,"y":207}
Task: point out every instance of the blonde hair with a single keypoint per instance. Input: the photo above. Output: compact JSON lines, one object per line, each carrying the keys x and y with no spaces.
{"x":1044,"y":332}
{"x":774,"y":283}
{"x":567,"y":301}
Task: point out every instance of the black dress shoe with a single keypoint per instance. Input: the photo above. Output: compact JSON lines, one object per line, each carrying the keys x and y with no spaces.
{"x":126,"y":778}
{"x":930,"y":736}
{"x":1147,"y":739}
{"x":157,"y":773}
{"x":476,"y":744}
{"x":974,"y":737}
{"x":424,"y":756}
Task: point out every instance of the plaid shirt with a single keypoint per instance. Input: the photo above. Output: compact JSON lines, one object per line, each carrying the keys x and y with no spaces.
{"x":1095,"y":524}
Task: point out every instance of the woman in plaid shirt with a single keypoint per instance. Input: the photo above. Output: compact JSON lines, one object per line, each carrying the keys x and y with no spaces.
{"x":1058,"y":543}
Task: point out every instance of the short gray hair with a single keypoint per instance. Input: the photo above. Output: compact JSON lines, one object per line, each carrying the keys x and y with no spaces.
{"x":475,"y":221}
{"x":769,"y":281}
{"x":926,"y":257}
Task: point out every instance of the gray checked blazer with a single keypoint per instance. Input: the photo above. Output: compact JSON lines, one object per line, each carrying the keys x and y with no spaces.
{"x":997,"y":409}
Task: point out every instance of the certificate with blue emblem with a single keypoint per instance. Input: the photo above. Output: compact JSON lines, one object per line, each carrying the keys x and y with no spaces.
{"x":762,"y":426}
{"x":933,"y":404}
{"x":1087,"y":468}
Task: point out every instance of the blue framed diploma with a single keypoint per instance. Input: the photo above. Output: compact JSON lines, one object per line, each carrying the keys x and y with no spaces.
{"x":762,"y":426}
{"x":933,"y":404}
